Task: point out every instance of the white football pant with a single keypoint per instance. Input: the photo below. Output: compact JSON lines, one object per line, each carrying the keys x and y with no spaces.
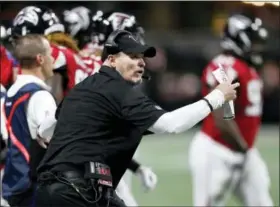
{"x":217,"y":172}
{"x":125,"y":193}
{"x":125,"y":185}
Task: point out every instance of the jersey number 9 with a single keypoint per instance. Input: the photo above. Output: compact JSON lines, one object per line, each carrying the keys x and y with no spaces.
{"x":254,"y":95}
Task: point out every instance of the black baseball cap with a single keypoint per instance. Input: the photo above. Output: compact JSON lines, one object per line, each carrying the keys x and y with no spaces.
{"x":129,"y":45}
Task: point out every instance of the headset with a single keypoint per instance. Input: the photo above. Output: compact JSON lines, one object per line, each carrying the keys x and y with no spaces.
{"x":111,"y":46}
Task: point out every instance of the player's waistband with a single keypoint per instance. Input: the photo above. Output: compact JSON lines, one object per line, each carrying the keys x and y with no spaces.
{"x":204,"y":140}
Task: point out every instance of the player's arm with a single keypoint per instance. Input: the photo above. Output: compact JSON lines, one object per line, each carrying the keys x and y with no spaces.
{"x":56,"y":83}
{"x":229,"y":129}
{"x":134,"y":166}
{"x":147,"y":176}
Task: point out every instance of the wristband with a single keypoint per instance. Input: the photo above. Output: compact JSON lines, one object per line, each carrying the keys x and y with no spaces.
{"x":208,"y":103}
{"x":133,"y":166}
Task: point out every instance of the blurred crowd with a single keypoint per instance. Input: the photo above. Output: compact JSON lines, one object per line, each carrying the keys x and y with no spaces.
{"x":186,"y":41}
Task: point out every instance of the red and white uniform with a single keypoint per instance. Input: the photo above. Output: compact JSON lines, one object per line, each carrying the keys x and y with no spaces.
{"x":91,"y":61}
{"x":6,"y":76}
{"x":66,"y":59}
{"x":92,"y":47}
{"x":248,"y":103}
{"x":217,"y":169}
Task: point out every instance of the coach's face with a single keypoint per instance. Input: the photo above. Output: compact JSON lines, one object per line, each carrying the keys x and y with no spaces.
{"x":130,"y":66}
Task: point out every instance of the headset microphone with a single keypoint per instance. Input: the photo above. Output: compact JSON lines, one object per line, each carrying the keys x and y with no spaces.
{"x":146,"y":77}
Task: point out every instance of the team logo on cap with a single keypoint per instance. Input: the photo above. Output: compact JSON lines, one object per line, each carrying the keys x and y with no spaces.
{"x":131,"y":37}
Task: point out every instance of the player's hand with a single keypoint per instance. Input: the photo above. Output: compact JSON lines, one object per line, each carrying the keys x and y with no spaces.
{"x":148,"y":177}
{"x":228,"y":89}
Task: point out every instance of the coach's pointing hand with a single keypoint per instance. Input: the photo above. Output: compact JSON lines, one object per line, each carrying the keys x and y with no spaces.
{"x":228,"y":89}
{"x":222,"y":93}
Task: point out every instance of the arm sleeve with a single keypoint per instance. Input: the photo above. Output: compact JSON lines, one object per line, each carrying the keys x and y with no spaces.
{"x":46,"y":129}
{"x":186,"y":117}
{"x":133,"y":165}
{"x":139,"y":110}
{"x":40,"y":106}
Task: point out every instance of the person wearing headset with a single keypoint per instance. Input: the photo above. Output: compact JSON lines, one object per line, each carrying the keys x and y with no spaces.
{"x":100,"y":125}
{"x":91,"y":32}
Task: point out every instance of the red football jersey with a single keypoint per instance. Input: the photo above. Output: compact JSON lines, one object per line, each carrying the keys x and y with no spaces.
{"x":77,"y":71}
{"x":89,"y":56}
{"x":248,"y":105}
{"x":92,"y":62}
{"x":92,"y":47}
{"x":6,"y":76}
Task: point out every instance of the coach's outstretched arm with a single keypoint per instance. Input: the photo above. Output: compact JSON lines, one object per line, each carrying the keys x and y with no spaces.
{"x":186,"y":117}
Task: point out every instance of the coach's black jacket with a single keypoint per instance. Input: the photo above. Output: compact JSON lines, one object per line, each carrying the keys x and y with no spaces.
{"x":102,"y":119}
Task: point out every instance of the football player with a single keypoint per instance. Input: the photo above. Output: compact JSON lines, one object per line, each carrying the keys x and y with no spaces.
{"x":69,"y":68}
{"x":223,"y":157}
{"x":78,"y":24}
{"x":6,"y":61}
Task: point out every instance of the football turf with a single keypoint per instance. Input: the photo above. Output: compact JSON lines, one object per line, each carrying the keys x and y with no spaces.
{"x":167,"y":154}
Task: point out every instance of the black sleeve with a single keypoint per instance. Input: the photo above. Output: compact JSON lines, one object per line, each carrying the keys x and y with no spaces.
{"x":139,"y":110}
{"x":133,"y":165}
{"x":147,"y":133}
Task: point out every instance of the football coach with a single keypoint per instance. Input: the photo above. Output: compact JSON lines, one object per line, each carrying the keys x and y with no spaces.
{"x":101,"y":122}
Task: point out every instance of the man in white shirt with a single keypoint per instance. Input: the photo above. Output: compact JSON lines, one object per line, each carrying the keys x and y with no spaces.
{"x":27,"y":103}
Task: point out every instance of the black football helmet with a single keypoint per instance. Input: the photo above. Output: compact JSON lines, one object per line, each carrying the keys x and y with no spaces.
{"x":245,"y":37}
{"x":36,"y":20}
{"x":78,"y":24}
{"x":105,"y":23}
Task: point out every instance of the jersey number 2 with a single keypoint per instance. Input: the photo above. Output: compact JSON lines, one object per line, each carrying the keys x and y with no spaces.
{"x":254,"y":95}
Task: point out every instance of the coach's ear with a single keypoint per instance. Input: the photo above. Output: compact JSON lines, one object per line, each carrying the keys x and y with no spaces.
{"x":111,"y":60}
{"x":40,"y":59}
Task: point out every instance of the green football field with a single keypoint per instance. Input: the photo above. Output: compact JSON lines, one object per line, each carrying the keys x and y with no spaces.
{"x":168,"y":156}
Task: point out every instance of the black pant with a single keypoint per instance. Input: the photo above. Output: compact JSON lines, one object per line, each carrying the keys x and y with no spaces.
{"x":73,"y":191}
{"x":24,"y":199}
